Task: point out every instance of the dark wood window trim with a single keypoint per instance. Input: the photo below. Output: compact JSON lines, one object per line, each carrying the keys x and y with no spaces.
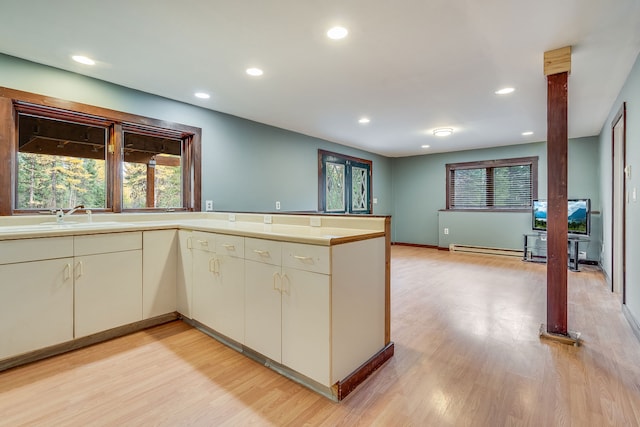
{"x":12,"y":100}
{"x":489,"y":165}
{"x":321,"y":183}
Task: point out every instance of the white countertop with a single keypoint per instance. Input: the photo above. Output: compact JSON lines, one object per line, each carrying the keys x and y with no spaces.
{"x":284,"y":227}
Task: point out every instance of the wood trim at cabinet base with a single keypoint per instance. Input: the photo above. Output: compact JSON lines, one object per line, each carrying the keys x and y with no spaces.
{"x":337,"y":392}
{"x":54,"y":350}
{"x":418,"y":245}
{"x":342,"y":388}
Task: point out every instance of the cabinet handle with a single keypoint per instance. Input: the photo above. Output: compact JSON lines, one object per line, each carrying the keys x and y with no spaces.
{"x":229,"y":247}
{"x":303,"y":258}
{"x":276,"y":276}
{"x":261,"y":252}
{"x":67,"y":271}
{"x":284,"y":278}
{"x":212,"y":267}
{"x":203,"y":242}
{"x":189,"y":242}
{"x":79,"y":269}
{"x":216,"y":265}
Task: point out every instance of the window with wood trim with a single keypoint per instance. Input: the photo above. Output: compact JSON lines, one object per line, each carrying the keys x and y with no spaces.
{"x":102,"y":159}
{"x":344,"y":183}
{"x":494,"y":185}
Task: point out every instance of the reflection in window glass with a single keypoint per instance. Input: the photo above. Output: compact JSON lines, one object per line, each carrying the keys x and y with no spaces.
{"x":335,"y":187}
{"x":60,"y":164}
{"x":152,"y":172}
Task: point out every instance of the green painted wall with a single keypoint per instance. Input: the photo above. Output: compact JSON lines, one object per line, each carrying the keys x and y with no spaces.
{"x":247,"y":166}
{"x":419,"y":192}
{"x":630,"y":94}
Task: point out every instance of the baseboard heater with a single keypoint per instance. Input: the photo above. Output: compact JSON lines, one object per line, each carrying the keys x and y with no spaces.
{"x":486,"y":250}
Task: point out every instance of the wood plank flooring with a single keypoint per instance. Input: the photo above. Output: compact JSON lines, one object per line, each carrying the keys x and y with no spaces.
{"x":467,"y":354}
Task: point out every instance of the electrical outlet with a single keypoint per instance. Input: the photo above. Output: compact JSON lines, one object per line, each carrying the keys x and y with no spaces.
{"x":232,"y":217}
{"x":277,"y":206}
{"x":315,"y":221}
{"x":208,"y":205}
{"x":446,"y":231}
{"x":267,"y":219}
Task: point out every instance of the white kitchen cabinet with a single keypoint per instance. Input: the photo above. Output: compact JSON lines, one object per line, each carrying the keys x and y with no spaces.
{"x":263,"y":308}
{"x":287,"y":307}
{"x":159,"y":265}
{"x":184,"y":274}
{"x":218,"y":283}
{"x":36,"y":305}
{"x":108,"y":281}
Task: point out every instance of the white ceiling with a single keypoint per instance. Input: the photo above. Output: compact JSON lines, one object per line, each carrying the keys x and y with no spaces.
{"x":409,"y":65}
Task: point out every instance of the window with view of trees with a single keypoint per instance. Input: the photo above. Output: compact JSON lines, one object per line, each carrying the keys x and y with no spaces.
{"x":102,"y":159}
{"x":344,"y":184}
{"x":507,"y":184}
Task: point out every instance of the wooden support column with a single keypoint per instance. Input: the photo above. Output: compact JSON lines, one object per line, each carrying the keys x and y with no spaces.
{"x":557,"y":66}
{"x":151,"y":184}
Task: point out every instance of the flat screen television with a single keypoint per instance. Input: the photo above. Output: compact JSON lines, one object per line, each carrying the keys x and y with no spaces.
{"x":578,"y":216}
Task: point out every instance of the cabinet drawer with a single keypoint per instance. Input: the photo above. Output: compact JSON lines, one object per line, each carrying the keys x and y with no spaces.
{"x":106,"y":243}
{"x":23,"y":250}
{"x":261,"y":250}
{"x":230,"y":245}
{"x":306,"y":257}
{"x":201,"y":241}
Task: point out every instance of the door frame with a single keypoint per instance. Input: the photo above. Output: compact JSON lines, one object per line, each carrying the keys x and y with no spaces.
{"x":621,"y":115}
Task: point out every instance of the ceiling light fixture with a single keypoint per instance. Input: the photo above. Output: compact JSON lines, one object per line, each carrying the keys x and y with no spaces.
{"x":83,"y":60}
{"x":442,"y":131}
{"x":255,"y":72}
{"x":202,"y":95}
{"x":504,"y":91}
{"x":527,"y":133}
{"x":337,"y":33}
{"x":426,"y":146}
{"x":364,"y":120}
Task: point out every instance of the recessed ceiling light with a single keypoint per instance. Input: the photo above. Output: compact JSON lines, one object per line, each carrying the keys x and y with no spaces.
{"x":426,"y":146}
{"x":504,"y":91}
{"x":83,"y":60}
{"x":527,"y":133}
{"x":337,"y":33}
{"x":202,"y":95}
{"x":364,"y":120}
{"x":442,"y":131}
{"x":255,"y":72}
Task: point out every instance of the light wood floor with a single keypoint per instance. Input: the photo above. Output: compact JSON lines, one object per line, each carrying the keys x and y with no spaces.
{"x":467,"y":353}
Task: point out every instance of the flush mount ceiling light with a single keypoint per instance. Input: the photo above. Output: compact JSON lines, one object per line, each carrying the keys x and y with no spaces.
{"x":255,"y":72}
{"x":442,"y":131}
{"x":337,"y":33}
{"x":426,"y":146}
{"x":202,"y":95}
{"x":527,"y":133}
{"x":364,"y":120}
{"x":83,"y":60}
{"x":504,"y":91}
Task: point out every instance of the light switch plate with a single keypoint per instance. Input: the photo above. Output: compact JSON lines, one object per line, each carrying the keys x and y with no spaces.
{"x":267,"y":219}
{"x":315,"y":221}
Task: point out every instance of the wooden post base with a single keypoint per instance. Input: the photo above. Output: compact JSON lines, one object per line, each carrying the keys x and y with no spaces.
{"x":572,"y":337}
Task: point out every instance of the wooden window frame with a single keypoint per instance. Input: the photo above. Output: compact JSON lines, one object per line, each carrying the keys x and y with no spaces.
{"x":12,"y":101}
{"x":489,"y":165}
{"x":321,"y":183}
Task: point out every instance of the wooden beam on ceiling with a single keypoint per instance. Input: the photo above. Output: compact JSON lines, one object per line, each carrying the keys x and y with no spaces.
{"x":557,"y":61}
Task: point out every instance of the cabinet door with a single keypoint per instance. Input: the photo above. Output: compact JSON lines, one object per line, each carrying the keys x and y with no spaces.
{"x":263,"y":309}
{"x":159,"y":259}
{"x":203,"y":287}
{"x":36,"y":305}
{"x":306,"y":323}
{"x":218,"y":293}
{"x":184,"y":274}
{"x":108,"y":291}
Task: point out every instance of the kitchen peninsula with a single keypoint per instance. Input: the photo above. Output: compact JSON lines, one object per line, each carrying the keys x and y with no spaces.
{"x":306,"y":295}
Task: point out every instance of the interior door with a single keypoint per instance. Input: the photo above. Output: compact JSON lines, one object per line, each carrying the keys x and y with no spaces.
{"x":619,"y":201}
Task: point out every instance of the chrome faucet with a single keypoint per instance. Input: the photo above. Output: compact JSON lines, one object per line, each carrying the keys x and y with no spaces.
{"x":60,"y":215}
